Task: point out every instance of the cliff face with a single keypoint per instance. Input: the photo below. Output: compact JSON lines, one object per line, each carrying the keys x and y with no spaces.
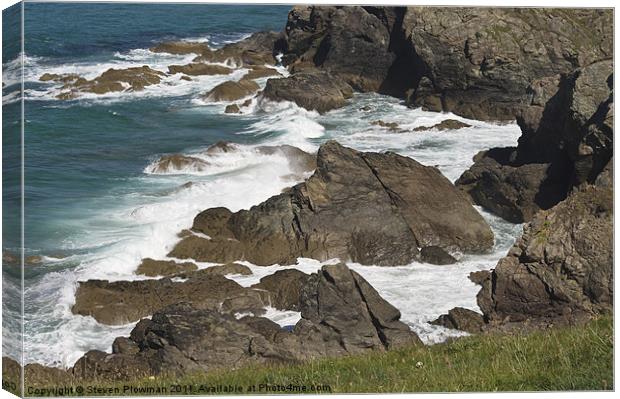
{"x":475,"y":62}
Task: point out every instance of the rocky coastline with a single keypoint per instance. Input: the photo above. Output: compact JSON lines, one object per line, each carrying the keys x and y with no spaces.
{"x":551,"y":70}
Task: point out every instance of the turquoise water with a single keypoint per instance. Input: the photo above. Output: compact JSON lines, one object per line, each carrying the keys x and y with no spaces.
{"x":93,"y":209}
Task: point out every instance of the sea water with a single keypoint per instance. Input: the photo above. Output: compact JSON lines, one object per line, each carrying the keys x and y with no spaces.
{"x":95,"y":207}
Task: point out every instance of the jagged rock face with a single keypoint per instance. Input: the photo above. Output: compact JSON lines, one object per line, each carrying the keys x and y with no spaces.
{"x":319,"y":91}
{"x":475,"y":62}
{"x":567,"y":140}
{"x":562,"y":265}
{"x":341,"y":314}
{"x":366,"y":207}
{"x":341,"y":311}
{"x":349,"y":41}
{"x":481,"y":60}
{"x":571,"y":117}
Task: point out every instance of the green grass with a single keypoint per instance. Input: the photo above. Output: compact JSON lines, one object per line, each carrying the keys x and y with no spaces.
{"x":571,"y":358}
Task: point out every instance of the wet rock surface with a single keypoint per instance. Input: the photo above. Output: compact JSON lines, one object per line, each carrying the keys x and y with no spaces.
{"x":366,"y":207}
{"x":121,"y":302}
{"x":341,"y":314}
{"x":152,"y":268}
{"x":436,"y":256}
{"x":318,"y":91}
{"x":179,"y":163}
{"x":112,"y":80}
{"x":231,"y":90}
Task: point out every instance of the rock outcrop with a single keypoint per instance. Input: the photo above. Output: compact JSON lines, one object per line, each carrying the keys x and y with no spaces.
{"x":121,"y":302}
{"x":341,"y":314}
{"x":112,"y":80}
{"x":318,"y":91}
{"x":475,"y":62}
{"x":567,"y":141}
{"x":369,"y":208}
{"x":562,"y":266}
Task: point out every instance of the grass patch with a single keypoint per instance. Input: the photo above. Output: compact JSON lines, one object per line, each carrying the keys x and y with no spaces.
{"x":571,"y":358}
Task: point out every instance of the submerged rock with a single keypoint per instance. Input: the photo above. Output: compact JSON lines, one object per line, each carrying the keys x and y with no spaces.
{"x":232,"y":109}
{"x":369,"y":208}
{"x":561,"y":267}
{"x":393,"y":126}
{"x":436,"y":256}
{"x":318,"y":91}
{"x":179,"y":163}
{"x":231,"y":90}
{"x":448,"y":124}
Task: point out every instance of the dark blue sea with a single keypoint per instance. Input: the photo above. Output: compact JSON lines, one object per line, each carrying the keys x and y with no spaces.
{"x":94,"y":206}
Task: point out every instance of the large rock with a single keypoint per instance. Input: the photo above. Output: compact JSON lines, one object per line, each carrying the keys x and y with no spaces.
{"x":475,"y":62}
{"x":480,"y":61}
{"x":341,"y":314}
{"x":122,"y":302}
{"x":352,"y":42}
{"x":567,"y":141}
{"x":319,"y":91}
{"x":369,"y":208}
{"x":232,"y":90}
{"x":561,"y":267}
